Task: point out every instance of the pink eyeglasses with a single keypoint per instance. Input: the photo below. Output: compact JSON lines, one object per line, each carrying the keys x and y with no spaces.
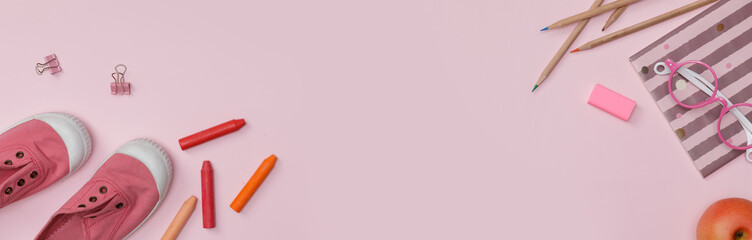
{"x":728,"y":128}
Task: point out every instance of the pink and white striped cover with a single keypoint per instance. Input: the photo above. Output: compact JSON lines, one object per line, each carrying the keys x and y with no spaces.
{"x":719,"y":36}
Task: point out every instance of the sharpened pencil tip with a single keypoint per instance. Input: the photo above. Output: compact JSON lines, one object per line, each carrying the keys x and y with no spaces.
{"x":536,"y":86}
{"x":544,"y":29}
{"x":575,"y":50}
{"x":603,"y":29}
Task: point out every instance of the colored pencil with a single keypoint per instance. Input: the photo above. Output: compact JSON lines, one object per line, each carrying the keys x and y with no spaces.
{"x":180,"y":219}
{"x":615,"y":15}
{"x":564,"y":47}
{"x":643,"y":25}
{"x":589,"y":13}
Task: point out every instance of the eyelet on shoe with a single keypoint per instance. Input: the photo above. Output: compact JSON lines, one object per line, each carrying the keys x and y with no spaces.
{"x":8,"y":162}
{"x":119,"y":206}
{"x":81,"y":205}
{"x":92,"y":199}
{"x":102,"y":189}
{"x":8,"y":190}
{"x":19,"y":154}
{"x":21,"y":182}
{"x":33,"y":174}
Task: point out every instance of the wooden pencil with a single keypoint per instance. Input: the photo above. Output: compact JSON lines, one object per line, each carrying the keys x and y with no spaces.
{"x":615,"y":15}
{"x":564,"y":47}
{"x":590,"y":13}
{"x":643,"y":25}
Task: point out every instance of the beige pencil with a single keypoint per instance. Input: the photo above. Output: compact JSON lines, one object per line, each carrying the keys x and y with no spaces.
{"x":643,"y":25}
{"x":615,"y":15}
{"x":589,"y":13}
{"x":564,"y":47}
{"x":180,"y":219}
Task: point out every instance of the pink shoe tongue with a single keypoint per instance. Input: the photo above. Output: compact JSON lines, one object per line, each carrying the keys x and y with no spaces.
{"x":96,"y":204}
{"x":102,"y":198}
{"x":98,"y":210}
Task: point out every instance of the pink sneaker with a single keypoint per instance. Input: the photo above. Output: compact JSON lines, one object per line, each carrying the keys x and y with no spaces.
{"x":38,"y":151}
{"x":121,"y":195}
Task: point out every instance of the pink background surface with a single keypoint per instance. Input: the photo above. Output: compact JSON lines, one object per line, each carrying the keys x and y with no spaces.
{"x":391,"y":119}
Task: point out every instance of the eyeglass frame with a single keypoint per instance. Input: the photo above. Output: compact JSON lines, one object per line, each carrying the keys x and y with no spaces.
{"x":671,"y":68}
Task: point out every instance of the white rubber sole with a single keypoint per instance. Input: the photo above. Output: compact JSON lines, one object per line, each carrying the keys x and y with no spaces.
{"x":74,"y":134}
{"x":154,"y":157}
{"x":156,"y":160}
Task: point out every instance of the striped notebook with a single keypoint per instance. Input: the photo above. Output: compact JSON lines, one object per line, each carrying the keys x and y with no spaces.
{"x":719,"y":36}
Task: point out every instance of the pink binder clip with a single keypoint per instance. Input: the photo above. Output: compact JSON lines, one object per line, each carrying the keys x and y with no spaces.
{"x":50,"y":63}
{"x":120,"y":86}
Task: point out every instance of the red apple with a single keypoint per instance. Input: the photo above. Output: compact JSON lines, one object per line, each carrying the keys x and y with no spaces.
{"x":726,"y":219}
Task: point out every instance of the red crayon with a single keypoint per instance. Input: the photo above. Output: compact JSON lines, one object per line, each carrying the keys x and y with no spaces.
{"x":211,"y":133}
{"x":207,"y":194}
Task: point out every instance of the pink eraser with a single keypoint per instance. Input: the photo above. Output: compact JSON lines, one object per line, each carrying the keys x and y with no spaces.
{"x":611,"y":102}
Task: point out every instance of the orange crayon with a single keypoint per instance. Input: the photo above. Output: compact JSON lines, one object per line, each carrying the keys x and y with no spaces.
{"x":253,"y":183}
{"x":180,"y":219}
